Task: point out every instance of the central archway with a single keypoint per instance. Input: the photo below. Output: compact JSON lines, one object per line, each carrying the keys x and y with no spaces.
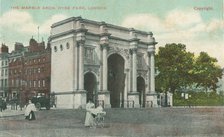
{"x":116,"y":80}
{"x":90,"y":86}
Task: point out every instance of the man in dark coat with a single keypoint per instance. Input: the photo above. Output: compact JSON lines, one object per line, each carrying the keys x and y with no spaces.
{"x":1,"y":103}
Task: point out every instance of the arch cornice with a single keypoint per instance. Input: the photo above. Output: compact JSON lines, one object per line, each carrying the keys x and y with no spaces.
{"x":143,"y":74}
{"x":93,"y":69}
{"x":90,"y":71}
{"x":121,"y":51}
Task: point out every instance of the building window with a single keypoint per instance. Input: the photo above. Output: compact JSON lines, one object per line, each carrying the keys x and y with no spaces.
{"x":21,"y":82}
{"x":55,"y":48}
{"x":39,"y":83}
{"x":67,"y":45}
{"x":17,"y":82}
{"x":43,"y":83}
{"x":6,"y":72}
{"x":25,"y":83}
{"x":12,"y":82}
{"x":6,"y":84}
{"x":30,"y":83}
{"x":34,"y":83}
{"x":61,"y":47}
{"x":38,"y":70}
{"x":1,"y":84}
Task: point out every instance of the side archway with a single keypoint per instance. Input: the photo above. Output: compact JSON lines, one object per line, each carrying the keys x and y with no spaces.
{"x":90,"y":85}
{"x":141,"y":90}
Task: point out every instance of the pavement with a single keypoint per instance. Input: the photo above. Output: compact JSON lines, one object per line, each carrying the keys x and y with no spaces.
{"x":9,"y":112}
{"x":198,"y":107}
{"x":119,"y":122}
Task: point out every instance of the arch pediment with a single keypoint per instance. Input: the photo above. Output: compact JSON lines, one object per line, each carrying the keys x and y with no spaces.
{"x":121,"y":51}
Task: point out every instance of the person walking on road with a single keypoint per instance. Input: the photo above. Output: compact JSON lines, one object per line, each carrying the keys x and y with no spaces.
{"x":29,"y":111}
{"x":89,"y":117}
{"x":1,"y":103}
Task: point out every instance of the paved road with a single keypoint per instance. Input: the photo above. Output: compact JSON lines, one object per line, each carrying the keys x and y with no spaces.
{"x":163,"y":122}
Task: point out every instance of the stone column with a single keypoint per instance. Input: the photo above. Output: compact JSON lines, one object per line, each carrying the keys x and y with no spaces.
{"x":133,"y":95}
{"x":79,"y":98}
{"x":104,"y":94}
{"x":151,"y":96}
{"x":75,"y":66}
{"x":152,"y":73}
{"x":134,"y":70}
{"x":104,"y":47}
{"x":127,"y":88}
{"x":148,"y":74}
{"x":81,"y":66}
{"x":130,"y":72}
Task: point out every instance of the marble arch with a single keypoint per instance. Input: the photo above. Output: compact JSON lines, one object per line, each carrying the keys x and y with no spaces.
{"x":91,"y":44}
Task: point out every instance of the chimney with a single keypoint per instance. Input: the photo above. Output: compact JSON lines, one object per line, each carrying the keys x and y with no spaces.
{"x":4,"y":49}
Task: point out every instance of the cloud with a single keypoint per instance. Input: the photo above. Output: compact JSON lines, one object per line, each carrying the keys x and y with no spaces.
{"x":181,"y":18}
{"x":21,"y":21}
{"x":175,"y":20}
{"x":215,"y":25}
{"x":17,"y":20}
{"x":182,"y":23}
{"x":213,"y":48}
{"x":15,"y":17}
{"x":46,"y":26}
{"x":141,"y":21}
{"x":183,"y":26}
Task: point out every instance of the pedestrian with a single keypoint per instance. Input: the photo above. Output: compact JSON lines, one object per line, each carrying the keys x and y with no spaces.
{"x":89,"y":117}
{"x":29,"y":111}
{"x":1,"y":103}
{"x":4,"y":104}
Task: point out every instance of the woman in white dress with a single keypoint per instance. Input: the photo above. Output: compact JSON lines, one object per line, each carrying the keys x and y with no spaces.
{"x":29,"y":111}
{"x":89,"y":117}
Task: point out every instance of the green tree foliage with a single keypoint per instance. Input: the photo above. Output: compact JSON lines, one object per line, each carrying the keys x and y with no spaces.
{"x":206,"y":72}
{"x":175,"y":65}
{"x":180,"y":69}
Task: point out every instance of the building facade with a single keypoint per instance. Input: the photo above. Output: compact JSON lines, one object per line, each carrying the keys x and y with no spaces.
{"x":111,"y":65}
{"x":4,"y":70}
{"x":29,"y":70}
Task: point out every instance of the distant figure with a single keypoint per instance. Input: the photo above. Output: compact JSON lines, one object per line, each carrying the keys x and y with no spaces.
{"x":4,"y":104}
{"x":1,"y":103}
{"x":29,"y":111}
{"x":89,"y":117}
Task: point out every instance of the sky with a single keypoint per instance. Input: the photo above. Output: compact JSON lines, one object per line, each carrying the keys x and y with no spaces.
{"x":199,"y":24}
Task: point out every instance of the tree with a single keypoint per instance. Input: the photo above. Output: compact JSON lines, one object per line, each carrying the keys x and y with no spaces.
{"x":206,"y":72}
{"x":175,"y":66}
